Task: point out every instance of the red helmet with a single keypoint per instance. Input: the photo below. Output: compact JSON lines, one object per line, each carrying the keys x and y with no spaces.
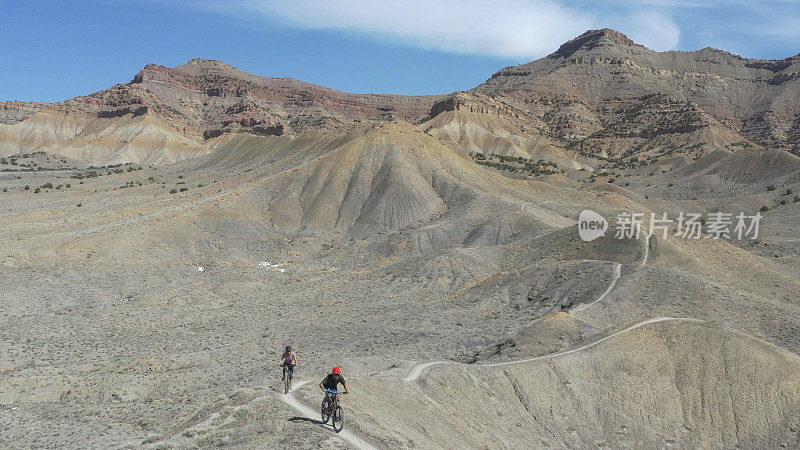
{"x":337,"y":371}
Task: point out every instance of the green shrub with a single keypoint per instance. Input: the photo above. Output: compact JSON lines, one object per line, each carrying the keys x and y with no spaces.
{"x":27,"y":187}
{"x":789,"y":192}
{"x":173,"y":191}
{"x":183,"y":189}
{"x":37,"y":191}
{"x":764,"y":208}
{"x":771,"y":187}
{"x":80,"y":205}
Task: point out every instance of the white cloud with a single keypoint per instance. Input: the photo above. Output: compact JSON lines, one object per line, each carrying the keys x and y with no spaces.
{"x":654,"y":31}
{"x":504,"y":28}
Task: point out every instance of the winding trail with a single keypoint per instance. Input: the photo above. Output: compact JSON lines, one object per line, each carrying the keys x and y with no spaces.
{"x":615,"y":276}
{"x":310,"y":413}
{"x":417,"y":371}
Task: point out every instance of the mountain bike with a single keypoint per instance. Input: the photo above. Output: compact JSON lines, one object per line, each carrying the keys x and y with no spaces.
{"x":331,"y":409}
{"x":287,"y":377}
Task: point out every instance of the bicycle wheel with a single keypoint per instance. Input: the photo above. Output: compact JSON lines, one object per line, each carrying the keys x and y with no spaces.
{"x":285,"y":380}
{"x":326,"y":411}
{"x":338,"y":419}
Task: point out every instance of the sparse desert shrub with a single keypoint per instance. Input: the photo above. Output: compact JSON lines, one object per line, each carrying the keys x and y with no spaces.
{"x":180,"y":176}
{"x":183,"y":189}
{"x":80,"y":205}
{"x":68,"y":186}
{"x":771,"y":187}
{"x":27,"y":187}
{"x":783,"y":202}
{"x":5,"y":190}
{"x":173,"y":191}
{"x":764,"y":208}
{"x":37,"y":191}
{"x":796,"y":199}
{"x":47,"y":186}
{"x":789,"y":192}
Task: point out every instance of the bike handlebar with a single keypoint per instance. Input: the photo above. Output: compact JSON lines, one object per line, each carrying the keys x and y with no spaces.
{"x":334,"y":392}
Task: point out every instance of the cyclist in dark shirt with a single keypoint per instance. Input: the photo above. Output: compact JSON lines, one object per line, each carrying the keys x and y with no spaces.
{"x":332,"y":382}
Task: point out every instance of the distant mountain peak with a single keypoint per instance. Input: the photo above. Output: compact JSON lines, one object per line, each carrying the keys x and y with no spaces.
{"x":605,"y":33}
{"x":209,"y":63}
{"x":605,"y":37}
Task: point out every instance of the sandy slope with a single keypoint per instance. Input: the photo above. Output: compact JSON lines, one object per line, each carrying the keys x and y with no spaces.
{"x":373,"y":248}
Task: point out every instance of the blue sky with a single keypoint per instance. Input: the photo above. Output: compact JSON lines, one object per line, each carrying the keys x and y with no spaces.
{"x":55,"y":50}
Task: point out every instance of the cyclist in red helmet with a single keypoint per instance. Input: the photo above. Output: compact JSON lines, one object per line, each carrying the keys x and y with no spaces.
{"x":332,"y":382}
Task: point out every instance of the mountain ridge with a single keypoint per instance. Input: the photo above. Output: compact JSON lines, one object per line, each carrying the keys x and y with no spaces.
{"x":601,"y":93}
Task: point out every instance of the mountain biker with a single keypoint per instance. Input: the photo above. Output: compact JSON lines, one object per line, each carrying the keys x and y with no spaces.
{"x":288,"y":359}
{"x":332,"y":382}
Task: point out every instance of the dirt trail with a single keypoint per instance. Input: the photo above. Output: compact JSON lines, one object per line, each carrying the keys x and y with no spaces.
{"x":312,"y":414}
{"x":646,"y":250}
{"x":417,"y":371}
{"x":615,"y":276}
